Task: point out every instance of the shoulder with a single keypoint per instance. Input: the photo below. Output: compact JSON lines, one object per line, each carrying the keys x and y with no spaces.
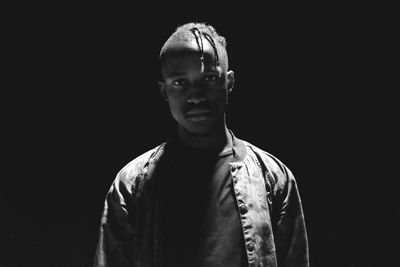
{"x":276,"y":171}
{"x":136,"y":167}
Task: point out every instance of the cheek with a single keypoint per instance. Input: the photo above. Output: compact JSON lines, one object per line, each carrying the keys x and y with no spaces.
{"x":175,"y":104}
{"x":220,"y":96}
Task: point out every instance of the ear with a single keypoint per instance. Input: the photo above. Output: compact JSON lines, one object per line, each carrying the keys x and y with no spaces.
{"x":163,"y":92}
{"x":231,"y":80}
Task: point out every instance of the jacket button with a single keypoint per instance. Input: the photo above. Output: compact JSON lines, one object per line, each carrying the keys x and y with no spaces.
{"x":250,"y":246}
{"x":242,"y":209}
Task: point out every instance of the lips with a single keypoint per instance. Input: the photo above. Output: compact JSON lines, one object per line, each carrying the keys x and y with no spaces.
{"x":198,"y":111}
{"x":198,"y":114}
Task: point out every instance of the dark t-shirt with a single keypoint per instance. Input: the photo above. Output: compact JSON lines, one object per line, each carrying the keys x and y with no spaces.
{"x":201,"y":223}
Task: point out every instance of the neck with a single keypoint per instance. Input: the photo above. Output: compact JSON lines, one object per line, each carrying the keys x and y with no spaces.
{"x":219,"y":139}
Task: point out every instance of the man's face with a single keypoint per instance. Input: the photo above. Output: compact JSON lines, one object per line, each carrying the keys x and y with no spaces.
{"x":197,"y":96}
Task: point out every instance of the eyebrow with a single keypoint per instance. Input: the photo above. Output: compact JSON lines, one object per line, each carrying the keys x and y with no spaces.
{"x":175,"y":73}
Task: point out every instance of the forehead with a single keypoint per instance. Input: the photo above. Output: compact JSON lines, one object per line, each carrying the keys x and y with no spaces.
{"x":183,"y":54}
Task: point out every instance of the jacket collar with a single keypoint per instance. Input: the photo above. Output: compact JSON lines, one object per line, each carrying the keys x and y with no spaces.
{"x":239,"y":148}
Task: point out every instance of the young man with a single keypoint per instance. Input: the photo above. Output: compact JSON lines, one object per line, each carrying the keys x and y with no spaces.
{"x":204,"y":198}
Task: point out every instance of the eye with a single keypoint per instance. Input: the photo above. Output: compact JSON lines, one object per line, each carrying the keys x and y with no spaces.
{"x":179,"y":82}
{"x":211,"y":77}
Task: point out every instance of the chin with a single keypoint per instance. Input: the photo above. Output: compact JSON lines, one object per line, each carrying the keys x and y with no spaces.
{"x":198,"y":130}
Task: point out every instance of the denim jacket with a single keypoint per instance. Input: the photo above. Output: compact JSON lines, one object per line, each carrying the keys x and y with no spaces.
{"x":266,"y":195}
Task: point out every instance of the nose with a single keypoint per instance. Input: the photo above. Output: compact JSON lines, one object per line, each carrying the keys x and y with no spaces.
{"x":196,"y":99}
{"x":196,"y":94}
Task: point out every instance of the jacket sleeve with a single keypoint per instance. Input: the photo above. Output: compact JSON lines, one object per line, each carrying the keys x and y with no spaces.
{"x":114,"y":246}
{"x":290,"y":233}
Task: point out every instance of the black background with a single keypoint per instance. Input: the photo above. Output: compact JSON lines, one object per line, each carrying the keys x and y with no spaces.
{"x":82,"y":100}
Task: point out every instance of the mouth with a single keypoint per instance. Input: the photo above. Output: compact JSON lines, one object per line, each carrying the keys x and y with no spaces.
{"x":198,"y":114}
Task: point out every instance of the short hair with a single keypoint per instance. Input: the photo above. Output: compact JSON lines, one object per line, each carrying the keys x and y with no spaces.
{"x":184,"y":32}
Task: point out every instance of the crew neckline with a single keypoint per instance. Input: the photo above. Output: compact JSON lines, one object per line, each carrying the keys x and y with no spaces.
{"x":237,"y":148}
